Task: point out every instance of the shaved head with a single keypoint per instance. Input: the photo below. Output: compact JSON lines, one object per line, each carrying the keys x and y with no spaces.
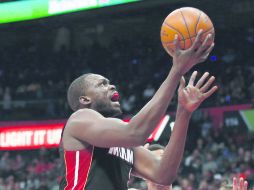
{"x":95,"y":92}
{"x":77,"y":89}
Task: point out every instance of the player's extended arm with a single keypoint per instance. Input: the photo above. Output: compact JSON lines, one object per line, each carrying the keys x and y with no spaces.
{"x":164,"y":171}
{"x":89,"y":126}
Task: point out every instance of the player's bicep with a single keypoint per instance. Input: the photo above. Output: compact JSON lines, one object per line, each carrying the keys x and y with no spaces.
{"x":93,"y":128}
{"x":145,"y":164}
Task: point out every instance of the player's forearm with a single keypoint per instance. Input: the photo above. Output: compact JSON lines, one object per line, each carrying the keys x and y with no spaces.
{"x":172,"y":156}
{"x":148,"y":117}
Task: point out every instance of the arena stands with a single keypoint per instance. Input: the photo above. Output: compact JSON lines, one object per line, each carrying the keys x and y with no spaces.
{"x":39,"y":59}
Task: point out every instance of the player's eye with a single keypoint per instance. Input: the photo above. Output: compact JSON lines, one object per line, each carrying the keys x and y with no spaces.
{"x":103,"y":83}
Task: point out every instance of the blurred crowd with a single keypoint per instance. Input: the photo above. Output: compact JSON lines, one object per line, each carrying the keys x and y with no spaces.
{"x":212,"y":157}
{"x":35,"y":73}
{"x":38,"y":63}
{"x":29,"y":170}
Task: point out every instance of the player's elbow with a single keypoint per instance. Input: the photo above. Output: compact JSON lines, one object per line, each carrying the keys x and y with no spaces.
{"x":137,"y":137}
{"x":138,"y":140}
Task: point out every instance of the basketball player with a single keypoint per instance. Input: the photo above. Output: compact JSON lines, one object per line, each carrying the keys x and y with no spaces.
{"x":100,"y":152}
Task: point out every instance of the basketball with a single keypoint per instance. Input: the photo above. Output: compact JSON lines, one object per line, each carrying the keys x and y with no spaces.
{"x":185,"y":22}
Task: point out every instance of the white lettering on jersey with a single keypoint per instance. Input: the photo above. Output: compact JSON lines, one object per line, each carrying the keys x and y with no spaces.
{"x":123,"y":153}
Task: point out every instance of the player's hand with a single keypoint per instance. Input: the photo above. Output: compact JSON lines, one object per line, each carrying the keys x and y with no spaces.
{"x":240,"y":184}
{"x":192,"y":95}
{"x":184,"y":60}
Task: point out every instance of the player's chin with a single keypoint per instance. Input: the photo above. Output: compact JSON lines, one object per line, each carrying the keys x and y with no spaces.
{"x":116,"y":108}
{"x":115,"y":104}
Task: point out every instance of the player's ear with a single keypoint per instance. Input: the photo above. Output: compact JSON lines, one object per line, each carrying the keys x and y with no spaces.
{"x":84,"y":100}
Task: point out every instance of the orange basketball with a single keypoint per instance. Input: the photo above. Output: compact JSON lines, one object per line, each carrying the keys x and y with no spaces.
{"x":185,"y":22}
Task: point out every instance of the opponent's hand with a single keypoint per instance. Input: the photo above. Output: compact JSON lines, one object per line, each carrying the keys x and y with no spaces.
{"x":184,"y":60}
{"x":240,"y":184}
{"x":191,"y":96}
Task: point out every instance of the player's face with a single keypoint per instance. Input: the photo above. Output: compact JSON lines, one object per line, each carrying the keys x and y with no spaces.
{"x":103,"y":95}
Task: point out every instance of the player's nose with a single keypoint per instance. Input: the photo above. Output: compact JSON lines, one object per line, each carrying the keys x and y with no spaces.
{"x":112,"y":87}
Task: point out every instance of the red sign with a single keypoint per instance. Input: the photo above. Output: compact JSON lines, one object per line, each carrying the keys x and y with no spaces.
{"x":30,"y":136}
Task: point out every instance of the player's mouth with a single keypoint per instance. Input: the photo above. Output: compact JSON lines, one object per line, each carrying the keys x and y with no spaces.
{"x":115,"y":97}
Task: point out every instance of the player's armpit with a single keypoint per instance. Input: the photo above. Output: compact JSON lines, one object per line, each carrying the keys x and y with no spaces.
{"x":91,"y":127}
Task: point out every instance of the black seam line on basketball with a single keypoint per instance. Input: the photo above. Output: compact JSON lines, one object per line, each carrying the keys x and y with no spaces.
{"x":186,"y":25}
{"x":208,"y":30}
{"x":197,"y":22}
{"x":175,"y":30}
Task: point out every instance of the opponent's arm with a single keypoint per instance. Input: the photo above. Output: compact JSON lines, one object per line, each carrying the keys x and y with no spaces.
{"x":164,"y":171}
{"x":91,"y":127}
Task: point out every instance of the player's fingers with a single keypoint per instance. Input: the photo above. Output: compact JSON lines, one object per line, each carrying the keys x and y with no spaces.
{"x":182,"y":83}
{"x":234,"y":183}
{"x":209,"y":49}
{"x":188,"y":89}
{"x":176,"y":44}
{"x":186,"y":92}
{"x":245,"y":185}
{"x":207,"y":84}
{"x":241,"y":183}
{"x":192,"y":78}
{"x":197,"y":41}
{"x":210,"y":92}
{"x":202,"y":80}
{"x":205,"y":45}
{"x":206,"y":53}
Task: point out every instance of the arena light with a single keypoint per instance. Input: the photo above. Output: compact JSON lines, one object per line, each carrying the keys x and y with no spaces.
{"x":248,"y":118}
{"x":33,"y":9}
{"x":159,"y":129}
{"x":63,"y":6}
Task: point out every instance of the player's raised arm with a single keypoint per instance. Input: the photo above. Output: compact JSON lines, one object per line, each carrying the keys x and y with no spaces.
{"x":92,"y":127}
{"x":165,"y":170}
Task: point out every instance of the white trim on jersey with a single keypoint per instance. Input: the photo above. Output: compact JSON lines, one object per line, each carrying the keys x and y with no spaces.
{"x":76,"y":170}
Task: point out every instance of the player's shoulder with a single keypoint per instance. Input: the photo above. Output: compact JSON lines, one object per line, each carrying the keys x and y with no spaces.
{"x":80,"y":118}
{"x":84,"y":113}
{"x":83,"y":116}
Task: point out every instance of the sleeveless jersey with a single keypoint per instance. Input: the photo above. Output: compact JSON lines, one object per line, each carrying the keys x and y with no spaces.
{"x":96,"y":168}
